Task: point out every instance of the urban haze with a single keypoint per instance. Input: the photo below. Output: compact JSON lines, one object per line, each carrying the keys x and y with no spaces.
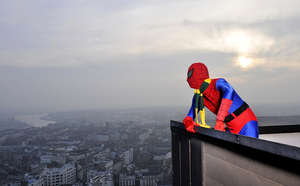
{"x":88,"y":89}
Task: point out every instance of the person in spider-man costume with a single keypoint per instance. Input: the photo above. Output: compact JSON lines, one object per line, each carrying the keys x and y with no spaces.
{"x":221,"y":99}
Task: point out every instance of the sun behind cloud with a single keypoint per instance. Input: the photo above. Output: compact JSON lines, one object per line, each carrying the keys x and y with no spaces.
{"x":247,"y":44}
{"x":244,"y":62}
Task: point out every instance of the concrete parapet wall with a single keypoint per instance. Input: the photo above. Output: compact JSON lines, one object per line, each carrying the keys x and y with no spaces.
{"x":210,"y":157}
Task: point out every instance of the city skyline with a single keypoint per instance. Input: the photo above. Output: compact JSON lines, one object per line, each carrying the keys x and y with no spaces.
{"x":64,"y":55}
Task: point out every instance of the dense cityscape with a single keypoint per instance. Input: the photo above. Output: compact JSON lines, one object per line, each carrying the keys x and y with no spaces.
{"x":100,"y":147}
{"x":106,"y":147}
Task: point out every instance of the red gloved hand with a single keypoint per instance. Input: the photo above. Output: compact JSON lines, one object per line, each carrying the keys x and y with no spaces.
{"x":220,"y":125}
{"x":189,"y":124}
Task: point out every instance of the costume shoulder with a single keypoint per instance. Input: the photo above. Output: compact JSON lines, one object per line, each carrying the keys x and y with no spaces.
{"x":222,"y":84}
{"x":221,"y":81}
{"x":224,"y":87}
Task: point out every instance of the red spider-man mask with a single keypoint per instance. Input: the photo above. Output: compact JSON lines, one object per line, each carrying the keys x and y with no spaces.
{"x":197,"y":73}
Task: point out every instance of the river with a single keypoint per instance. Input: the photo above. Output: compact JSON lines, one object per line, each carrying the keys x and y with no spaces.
{"x":34,"y":120}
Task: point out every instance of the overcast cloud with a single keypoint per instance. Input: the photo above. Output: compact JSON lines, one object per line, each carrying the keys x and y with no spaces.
{"x":59,"y":55}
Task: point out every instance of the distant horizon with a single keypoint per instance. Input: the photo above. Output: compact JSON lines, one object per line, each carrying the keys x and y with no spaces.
{"x":258,"y":108}
{"x":265,"y":115}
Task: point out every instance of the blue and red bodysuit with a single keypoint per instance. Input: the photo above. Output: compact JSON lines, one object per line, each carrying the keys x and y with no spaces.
{"x":221,"y":99}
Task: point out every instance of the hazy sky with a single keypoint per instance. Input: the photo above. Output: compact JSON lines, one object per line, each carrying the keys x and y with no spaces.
{"x":60,"y":55}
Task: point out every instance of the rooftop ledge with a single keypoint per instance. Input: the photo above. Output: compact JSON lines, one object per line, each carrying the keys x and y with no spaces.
{"x":211,"y":157}
{"x":281,"y":149}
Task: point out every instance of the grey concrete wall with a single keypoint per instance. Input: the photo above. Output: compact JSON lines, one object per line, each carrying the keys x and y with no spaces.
{"x":210,"y":157}
{"x":224,"y":167}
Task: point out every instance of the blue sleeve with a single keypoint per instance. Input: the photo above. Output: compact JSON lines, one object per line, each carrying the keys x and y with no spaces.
{"x":192,"y":109}
{"x":225,"y":89}
{"x":227,"y":92}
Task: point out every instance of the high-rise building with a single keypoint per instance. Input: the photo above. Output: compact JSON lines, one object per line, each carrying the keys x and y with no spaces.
{"x":59,"y":176}
{"x":127,"y":156}
{"x":103,"y":154}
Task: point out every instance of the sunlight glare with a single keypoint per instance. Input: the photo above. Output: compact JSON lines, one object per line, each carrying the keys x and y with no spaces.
{"x":244,"y":62}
